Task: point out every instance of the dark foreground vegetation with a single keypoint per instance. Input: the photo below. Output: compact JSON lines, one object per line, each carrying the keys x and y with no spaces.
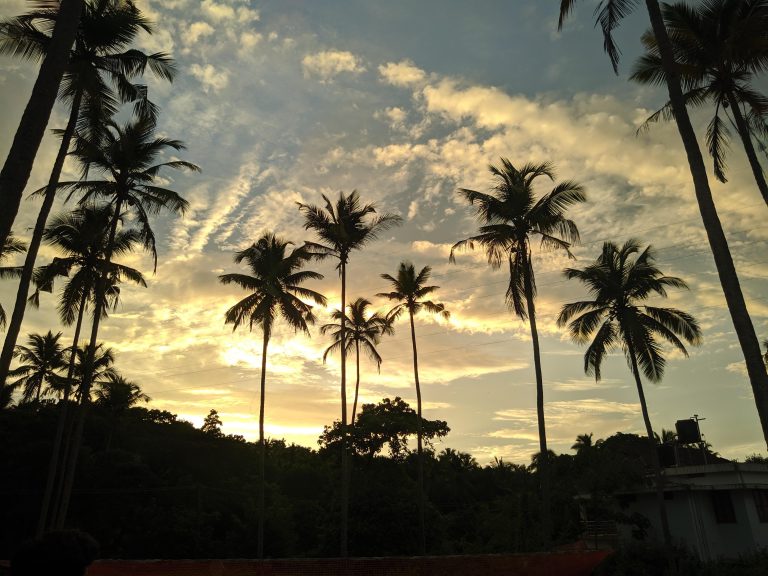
{"x":645,"y":560}
{"x":152,"y":486}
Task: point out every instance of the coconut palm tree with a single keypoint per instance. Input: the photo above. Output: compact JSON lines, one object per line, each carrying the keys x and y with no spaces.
{"x":128,"y":157}
{"x":619,"y":281}
{"x":81,"y":239}
{"x":42,"y":360}
{"x":364,"y":331}
{"x":409,"y":290}
{"x":609,"y":15}
{"x":343,"y":227}
{"x":29,"y":134}
{"x":511,"y":218}
{"x":275,"y":291}
{"x":583,"y":443}
{"x":720,"y":46}
{"x":99,"y":77}
{"x":11,"y":245}
{"x":117,"y":395}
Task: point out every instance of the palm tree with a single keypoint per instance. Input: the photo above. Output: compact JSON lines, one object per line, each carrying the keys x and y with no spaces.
{"x":274,"y":291}
{"x":666,"y":436}
{"x":42,"y":360}
{"x":609,"y":15}
{"x":127,"y":156}
{"x":409,"y":290}
{"x":102,"y":369}
{"x":81,"y":237}
{"x":343,"y":227}
{"x":29,"y":134}
{"x":511,"y":217}
{"x":11,"y":245}
{"x":365,"y":331}
{"x":117,"y":395}
{"x":583,"y":443}
{"x":720,"y":47}
{"x":99,"y":77}
{"x":615,"y":318}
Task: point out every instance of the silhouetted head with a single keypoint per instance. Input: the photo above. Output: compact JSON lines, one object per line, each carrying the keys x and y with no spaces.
{"x":61,"y":553}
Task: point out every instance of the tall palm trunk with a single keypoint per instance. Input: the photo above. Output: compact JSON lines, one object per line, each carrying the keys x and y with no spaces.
{"x":726,"y":270}
{"x":57,"y":458}
{"x":85,"y":387}
{"x":543,"y":451}
{"x":18,"y":164}
{"x":14,"y":326}
{"x":659,"y":477}
{"x":345,"y":471}
{"x":262,"y":447}
{"x":419,"y":447}
{"x":749,"y":148}
{"x":357,"y":382}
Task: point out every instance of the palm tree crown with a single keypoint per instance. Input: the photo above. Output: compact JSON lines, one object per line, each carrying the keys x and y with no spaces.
{"x":344,"y":226}
{"x":118,"y":394}
{"x":409,"y":290}
{"x":81,"y":236}
{"x":102,"y":367}
{"x":275,"y":284}
{"x":101,"y":50}
{"x":127,"y":155}
{"x":615,"y":317}
{"x":365,"y":330}
{"x":719,"y":45}
{"x":41,"y":362}
{"x":511,"y":216}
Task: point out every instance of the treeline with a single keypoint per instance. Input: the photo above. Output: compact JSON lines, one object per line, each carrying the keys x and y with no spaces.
{"x":151,"y":485}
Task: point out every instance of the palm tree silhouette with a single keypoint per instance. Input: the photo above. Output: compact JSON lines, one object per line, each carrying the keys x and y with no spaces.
{"x":343,"y":227}
{"x":127,"y":156}
{"x":99,"y":77}
{"x":409,"y":289}
{"x":18,"y":164}
{"x":583,"y":443}
{"x":615,"y":318}
{"x":609,"y":15}
{"x":275,"y":291}
{"x":117,"y":395}
{"x":11,"y":245}
{"x":81,"y":239}
{"x":42,"y":360}
{"x":511,"y":218}
{"x":365,"y":331}
{"x":720,"y":47}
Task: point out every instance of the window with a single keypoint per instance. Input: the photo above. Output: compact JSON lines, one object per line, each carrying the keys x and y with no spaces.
{"x":761,"y":504}
{"x":723,"y":507}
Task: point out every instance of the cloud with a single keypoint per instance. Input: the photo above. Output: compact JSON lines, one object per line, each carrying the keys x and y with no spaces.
{"x":404,"y":73}
{"x":196,"y":31}
{"x":219,"y":12}
{"x":330,"y":63}
{"x":210,"y":77}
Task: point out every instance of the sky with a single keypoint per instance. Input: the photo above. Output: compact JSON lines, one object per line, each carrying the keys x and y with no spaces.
{"x":280,"y":102}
